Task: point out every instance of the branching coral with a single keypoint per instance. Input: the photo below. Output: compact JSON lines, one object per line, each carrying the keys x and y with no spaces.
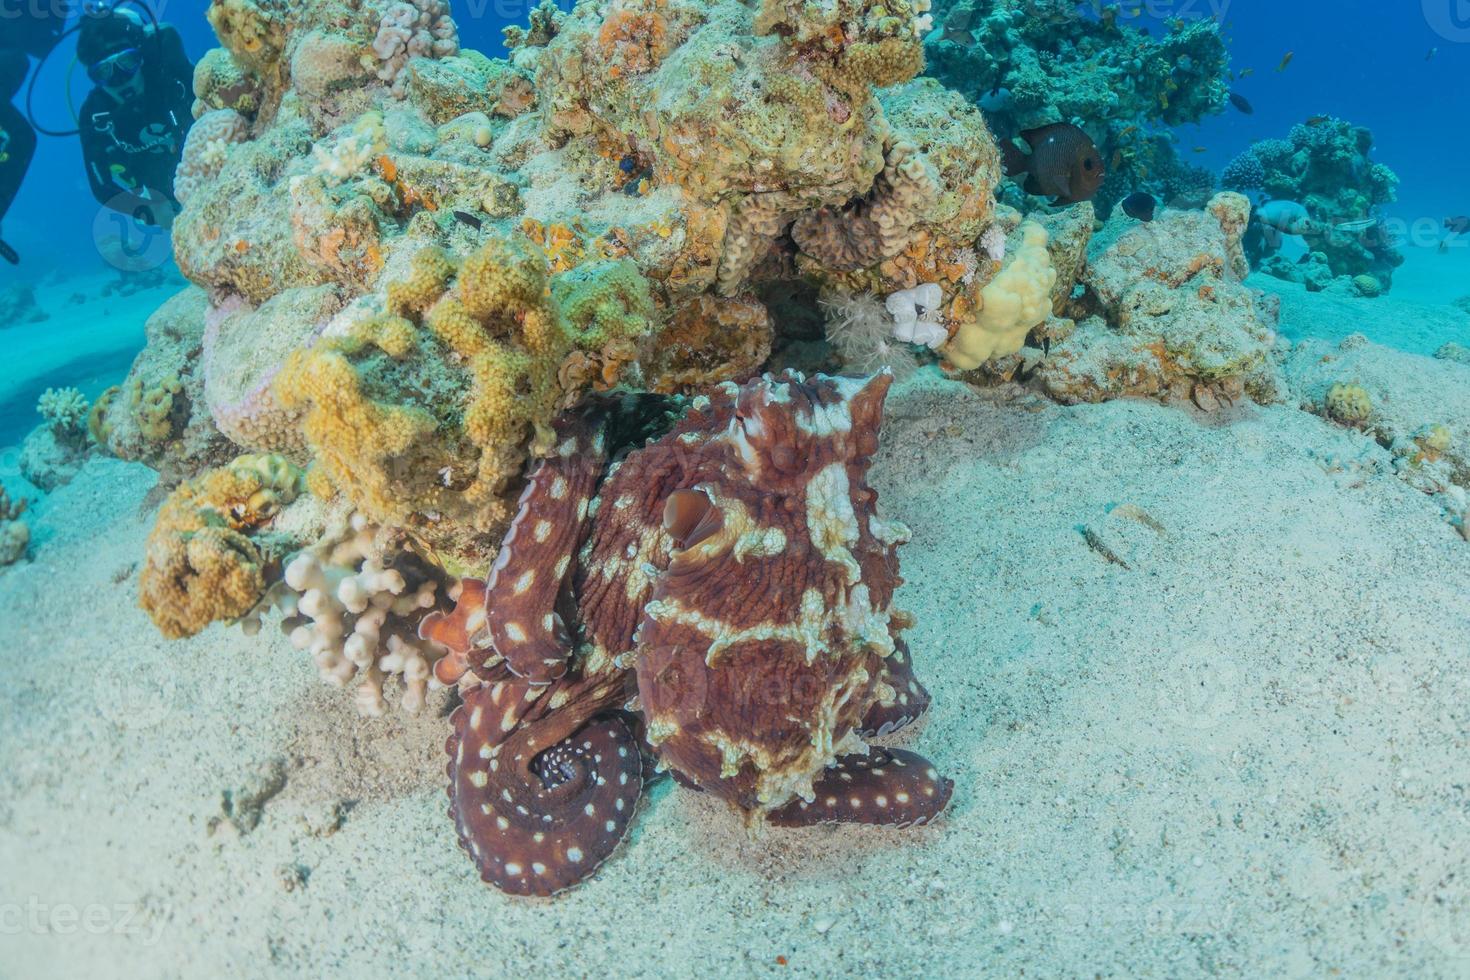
{"x":203,"y":562}
{"x":354,"y":601}
{"x":66,"y":411}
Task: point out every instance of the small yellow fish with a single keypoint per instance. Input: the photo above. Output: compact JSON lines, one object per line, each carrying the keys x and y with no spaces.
{"x":1286,"y":61}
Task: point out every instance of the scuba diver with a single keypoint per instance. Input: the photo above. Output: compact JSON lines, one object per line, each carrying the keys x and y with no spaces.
{"x":134,"y":122}
{"x":31,"y":34}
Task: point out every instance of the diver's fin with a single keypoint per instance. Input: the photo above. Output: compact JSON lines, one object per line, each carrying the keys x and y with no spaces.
{"x":9,"y":254}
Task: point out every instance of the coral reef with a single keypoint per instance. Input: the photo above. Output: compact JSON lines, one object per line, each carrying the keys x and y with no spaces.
{"x":15,"y":534}
{"x":207,"y":149}
{"x":1053,"y":64}
{"x":757,"y":692}
{"x":1029,"y":63}
{"x":413,"y":265}
{"x":53,"y":452}
{"x":1163,"y":314}
{"x":1327,"y":167}
{"x":1011,"y":305}
{"x":471,"y":354}
{"x":159,"y":416}
{"x":65,"y":411}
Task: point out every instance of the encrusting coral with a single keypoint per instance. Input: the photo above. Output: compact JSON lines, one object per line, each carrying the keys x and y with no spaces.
{"x":205,"y":561}
{"x":424,"y":413}
{"x":15,"y":534}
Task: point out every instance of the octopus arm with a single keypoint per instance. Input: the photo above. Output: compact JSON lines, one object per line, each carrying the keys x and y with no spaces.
{"x":455,"y":631}
{"x":537,"y":552}
{"x":538,"y":821}
{"x":891,"y":787}
{"x":907,"y":701}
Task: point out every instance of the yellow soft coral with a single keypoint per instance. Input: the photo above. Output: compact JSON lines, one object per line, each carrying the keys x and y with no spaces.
{"x":201,"y":564}
{"x":430,"y":409}
{"x":1016,"y":300}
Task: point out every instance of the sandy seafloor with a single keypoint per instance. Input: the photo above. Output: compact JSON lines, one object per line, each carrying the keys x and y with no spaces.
{"x":1245,"y":754}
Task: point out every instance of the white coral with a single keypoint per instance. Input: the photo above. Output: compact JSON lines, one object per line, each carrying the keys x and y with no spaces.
{"x":355,"y":604}
{"x":421,"y":29}
{"x":993,"y":243}
{"x":861,"y":331}
{"x":916,"y":315}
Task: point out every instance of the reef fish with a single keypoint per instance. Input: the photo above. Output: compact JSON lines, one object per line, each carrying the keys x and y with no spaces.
{"x":1140,"y":206}
{"x":1286,"y":60}
{"x":9,"y":254}
{"x":1459,"y":225}
{"x":1279,"y":218}
{"x":1240,"y":102}
{"x":1063,"y":164}
{"x":465,"y":218}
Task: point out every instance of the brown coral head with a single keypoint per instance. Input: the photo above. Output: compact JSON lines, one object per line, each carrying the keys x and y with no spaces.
{"x":788,"y":425}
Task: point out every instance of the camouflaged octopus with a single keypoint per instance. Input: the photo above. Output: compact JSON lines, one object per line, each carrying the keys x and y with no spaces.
{"x":731,"y":620}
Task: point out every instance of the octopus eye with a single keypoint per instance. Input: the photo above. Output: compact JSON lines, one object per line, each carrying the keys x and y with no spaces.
{"x":691,"y":517}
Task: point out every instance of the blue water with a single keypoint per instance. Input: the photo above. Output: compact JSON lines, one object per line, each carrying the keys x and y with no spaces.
{"x":1364,"y":60}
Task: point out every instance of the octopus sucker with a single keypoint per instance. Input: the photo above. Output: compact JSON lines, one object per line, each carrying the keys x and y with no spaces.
{"x":886,"y":787}
{"x":728,"y":586}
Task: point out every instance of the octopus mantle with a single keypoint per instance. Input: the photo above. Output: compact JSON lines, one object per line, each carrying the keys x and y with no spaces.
{"x":720,"y":600}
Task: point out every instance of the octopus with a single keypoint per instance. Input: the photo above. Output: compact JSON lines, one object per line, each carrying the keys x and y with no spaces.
{"x":717,"y":603}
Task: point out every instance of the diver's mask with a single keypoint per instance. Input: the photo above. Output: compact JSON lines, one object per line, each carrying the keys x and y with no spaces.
{"x":117,"y":70}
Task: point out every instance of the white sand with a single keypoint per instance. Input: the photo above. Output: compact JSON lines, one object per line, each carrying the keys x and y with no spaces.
{"x":1244,"y":754}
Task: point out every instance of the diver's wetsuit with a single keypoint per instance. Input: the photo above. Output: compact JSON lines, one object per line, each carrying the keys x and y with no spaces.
{"x":34,"y":34}
{"x":135,"y":145}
